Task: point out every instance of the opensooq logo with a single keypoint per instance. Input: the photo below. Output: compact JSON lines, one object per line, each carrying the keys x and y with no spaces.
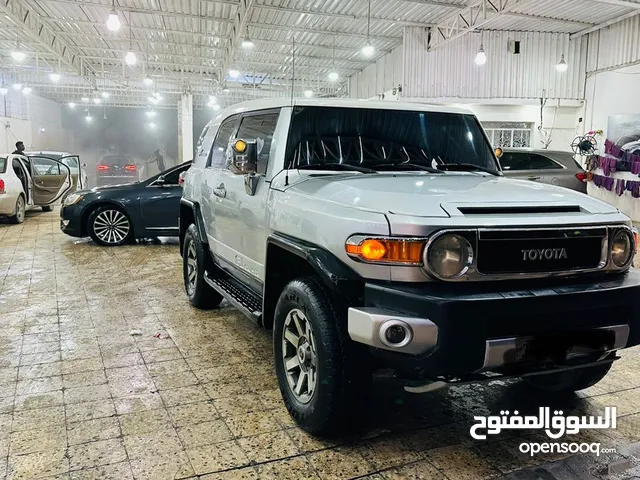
{"x":555,"y":426}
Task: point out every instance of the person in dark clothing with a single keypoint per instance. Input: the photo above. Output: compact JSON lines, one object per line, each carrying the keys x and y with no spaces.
{"x":159,"y":159}
{"x":19,"y":149}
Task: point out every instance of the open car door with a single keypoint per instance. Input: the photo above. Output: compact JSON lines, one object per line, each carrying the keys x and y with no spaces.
{"x":51,"y":179}
{"x":73,"y":162}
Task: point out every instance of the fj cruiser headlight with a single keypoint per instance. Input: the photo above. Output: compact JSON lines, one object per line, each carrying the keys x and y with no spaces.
{"x":385,"y":250}
{"x":622,"y":246}
{"x":72,"y":199}
{"x":449,"y":256}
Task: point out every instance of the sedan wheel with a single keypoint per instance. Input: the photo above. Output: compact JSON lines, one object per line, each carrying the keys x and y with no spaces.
{"x":18,"y":217}
{"x":110,"y":226}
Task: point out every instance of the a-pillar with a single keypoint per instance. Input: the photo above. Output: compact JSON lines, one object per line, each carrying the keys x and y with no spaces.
{"x":185,"y":128}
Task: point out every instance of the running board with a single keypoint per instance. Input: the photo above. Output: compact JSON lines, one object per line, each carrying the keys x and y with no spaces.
{"x":483,"y":377}
{"x":236,"y":294}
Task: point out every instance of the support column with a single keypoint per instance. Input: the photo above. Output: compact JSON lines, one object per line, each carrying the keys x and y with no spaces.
{"x":185,"y":128}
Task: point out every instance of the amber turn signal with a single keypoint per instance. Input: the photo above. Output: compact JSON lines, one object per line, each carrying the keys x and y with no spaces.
{"x":386,"y":250}
{"x":240,"y":146}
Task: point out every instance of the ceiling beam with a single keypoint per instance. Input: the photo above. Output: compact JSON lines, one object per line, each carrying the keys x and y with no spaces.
{"x":619,"y":3}
{"x":477,"y":14}
{"x":546,"y":19}
{"x":237,"y":31}
{"x":335,"y":33}
{"x":605,"y":24}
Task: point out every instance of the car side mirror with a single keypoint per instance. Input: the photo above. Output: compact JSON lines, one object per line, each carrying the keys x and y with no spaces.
{"x":498,"y":151}
{"x":244,"y":159}
{"x":161,"y":180}
{"x":84,"y":164}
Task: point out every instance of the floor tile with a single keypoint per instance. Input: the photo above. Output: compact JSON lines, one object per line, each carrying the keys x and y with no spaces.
{"x":204,"y":433}
{"x":102,"y":452}
{"x":93,"y":430}
{"x":216,"y":457}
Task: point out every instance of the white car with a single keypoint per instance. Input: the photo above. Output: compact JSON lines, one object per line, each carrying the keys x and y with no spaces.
{"x":78,"y":173}
{"x":29,"y":182}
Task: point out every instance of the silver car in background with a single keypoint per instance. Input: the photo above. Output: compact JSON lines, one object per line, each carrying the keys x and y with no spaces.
{"x":544,"y":166}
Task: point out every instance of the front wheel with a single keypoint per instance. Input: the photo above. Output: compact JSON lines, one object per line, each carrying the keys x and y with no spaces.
{"x":194,"y":255}
{"x":569,"y":381}
{"x":109,"y":226}
{"x":323,"y":375}
{"x":20,"y":210}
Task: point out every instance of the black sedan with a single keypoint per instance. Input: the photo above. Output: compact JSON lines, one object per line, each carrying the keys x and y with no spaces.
{"x":118,"y":214}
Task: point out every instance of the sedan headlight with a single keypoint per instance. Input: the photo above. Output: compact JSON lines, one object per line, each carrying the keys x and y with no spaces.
{"x":448,"y":256}
{"x":72,"y":199}
{"x":622,"y":247}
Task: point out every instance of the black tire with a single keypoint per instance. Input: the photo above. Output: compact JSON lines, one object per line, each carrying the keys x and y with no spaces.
{"x":95,"y":226}
{"x":569,"y":381}
{"x":21,"y":209}
{"x":342,"y":376}
{"x":195,"y":255}
{"x":47,"y":208}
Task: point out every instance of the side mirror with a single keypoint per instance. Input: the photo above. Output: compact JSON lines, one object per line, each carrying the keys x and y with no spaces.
{"x":84,"y":164}
{"x":161,"y":180}
{"x":498,"y":151}
{"x":244,"y":159}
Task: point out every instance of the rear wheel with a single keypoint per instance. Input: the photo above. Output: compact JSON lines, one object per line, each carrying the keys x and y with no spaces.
{"x":323,"y":375}
{"x":110,"y":226}
{"x":47,"y":208}
{"x":194,"y":261}
{"x":569,"y":381}
{"x":20,"y":210}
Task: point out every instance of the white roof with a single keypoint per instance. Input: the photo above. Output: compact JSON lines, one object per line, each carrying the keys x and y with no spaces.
{"x":268,"y":103}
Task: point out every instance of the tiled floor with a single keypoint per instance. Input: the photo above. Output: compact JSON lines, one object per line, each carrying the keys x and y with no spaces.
{"x":107,"y":373}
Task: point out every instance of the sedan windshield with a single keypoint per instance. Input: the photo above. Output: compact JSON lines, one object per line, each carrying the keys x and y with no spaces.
{"x":387,"y":140}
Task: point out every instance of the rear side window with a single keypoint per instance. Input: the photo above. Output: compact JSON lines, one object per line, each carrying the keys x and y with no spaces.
{"x":3,"y":164}
{"x":514,"y":161}
{"x":219,"y":150}
{"x":260,"y":128}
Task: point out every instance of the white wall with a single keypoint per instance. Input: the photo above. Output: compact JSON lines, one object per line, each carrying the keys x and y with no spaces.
{"x":47,"y":114}
{"x":14,"y":130}
{"x":614,"y":93}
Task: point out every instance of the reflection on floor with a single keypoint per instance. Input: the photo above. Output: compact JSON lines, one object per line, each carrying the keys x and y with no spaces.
{"x":194,"y":395}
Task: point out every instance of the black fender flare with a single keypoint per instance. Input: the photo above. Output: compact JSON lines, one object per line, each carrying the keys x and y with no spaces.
{"x":197,"y":219}
{"x":341,"y":279}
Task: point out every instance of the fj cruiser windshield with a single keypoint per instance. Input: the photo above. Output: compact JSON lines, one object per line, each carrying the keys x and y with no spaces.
{"x":373,"y":140}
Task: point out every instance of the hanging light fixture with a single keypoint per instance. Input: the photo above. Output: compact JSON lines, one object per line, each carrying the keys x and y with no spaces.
{"x":225,"y":88}
{"x":72,"y":105}
{"x":105,"y":95}
{"x":308,"y":93}
{"x":3,"y":89}
{"x":562,"y":65}
{"x":27,"y":90}
{"x":113,"y":22}
{"x":368,"y":50}
{"x":233,"y":73}
{"x":85,"y":99}
{"x":18,"y":55}
{"x":130,"y":57}
{"x":247,"y":43}
{"x":17,"y":86}
{"x":54,"y":76}
{"x":150,"y":113}
{"x":481,"y":57}
{"x":147,"y":80}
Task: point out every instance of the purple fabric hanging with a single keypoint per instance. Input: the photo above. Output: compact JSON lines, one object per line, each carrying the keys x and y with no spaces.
{"x":620,"y":187}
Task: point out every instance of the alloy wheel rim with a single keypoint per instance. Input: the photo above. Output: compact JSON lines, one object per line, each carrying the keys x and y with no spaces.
{"x":20,"y":209}
{"x":192,"y":268}
{"x":111,"y":226}
{"x":299,"y":355}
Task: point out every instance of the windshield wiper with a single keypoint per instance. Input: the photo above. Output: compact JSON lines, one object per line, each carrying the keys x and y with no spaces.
{"x":413,"y":166}
{"x":466,"y":167}
{"x":336,"y":166}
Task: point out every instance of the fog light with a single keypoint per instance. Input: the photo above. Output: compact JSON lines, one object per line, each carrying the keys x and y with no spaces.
{"x":395,"y":334}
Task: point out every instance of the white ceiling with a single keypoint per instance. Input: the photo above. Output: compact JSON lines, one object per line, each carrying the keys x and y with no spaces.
{"x":189,"y":45}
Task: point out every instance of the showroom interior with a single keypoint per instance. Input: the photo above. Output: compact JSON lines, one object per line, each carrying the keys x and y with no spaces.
{"x":127,"y":346}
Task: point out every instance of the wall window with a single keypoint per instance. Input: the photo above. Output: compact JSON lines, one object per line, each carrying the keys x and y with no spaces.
{"x":509,"y":134}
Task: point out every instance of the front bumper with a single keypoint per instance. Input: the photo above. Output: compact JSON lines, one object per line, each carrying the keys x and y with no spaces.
{"x":71,"y":220}
{"x":461,"y":329}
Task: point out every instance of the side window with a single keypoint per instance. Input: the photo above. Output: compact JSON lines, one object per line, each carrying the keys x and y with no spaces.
{"x":44,"y":166}
{"x":514,"y":161}
{"x":260,"y":128}
{"x":171,"y":178}
{"x":218,"y":154}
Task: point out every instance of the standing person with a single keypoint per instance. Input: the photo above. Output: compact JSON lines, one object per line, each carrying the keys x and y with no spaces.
{"x":158,"y":159}
{"x":19,"y":148}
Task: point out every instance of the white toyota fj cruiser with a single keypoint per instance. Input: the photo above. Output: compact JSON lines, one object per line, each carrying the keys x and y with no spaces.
{"x":383,"y":234}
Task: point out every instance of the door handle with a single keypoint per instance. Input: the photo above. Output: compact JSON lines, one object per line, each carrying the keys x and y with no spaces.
{"x":220,"y":191}
{"x":533,"y":178}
